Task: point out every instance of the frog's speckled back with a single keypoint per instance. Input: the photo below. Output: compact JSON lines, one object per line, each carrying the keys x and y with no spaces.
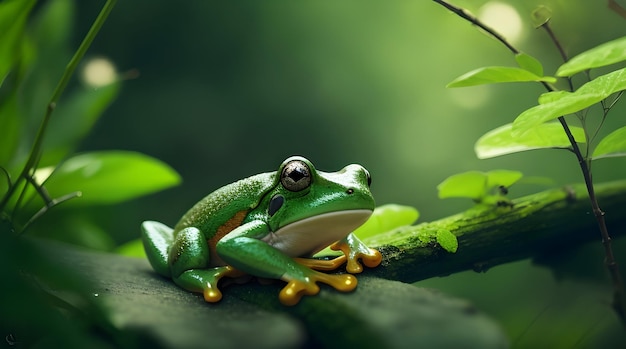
{"x":221,"y":205}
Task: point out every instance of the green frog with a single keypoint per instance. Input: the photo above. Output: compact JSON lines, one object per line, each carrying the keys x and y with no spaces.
{"x":269,"y":225}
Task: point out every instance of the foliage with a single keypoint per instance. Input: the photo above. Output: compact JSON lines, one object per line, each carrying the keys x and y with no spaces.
{"x":385,"y":218}
{"x":483,"y":187}
{"x":48,"y":174}
{"x":502,"y":140}
{"x":36,"y":169}
{"x":530,"y":129}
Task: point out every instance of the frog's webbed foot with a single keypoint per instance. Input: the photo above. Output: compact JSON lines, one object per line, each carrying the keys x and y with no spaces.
{"x":353,"y":249}
{"x":322,"y":264}
{"x":205,"y":281}
{"x":296,"y":288}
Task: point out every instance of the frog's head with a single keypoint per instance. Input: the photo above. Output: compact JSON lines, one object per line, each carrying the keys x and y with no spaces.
{"x":309,"y":209}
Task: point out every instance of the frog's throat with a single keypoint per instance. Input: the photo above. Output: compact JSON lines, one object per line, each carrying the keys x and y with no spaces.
{"x":310,"y":235}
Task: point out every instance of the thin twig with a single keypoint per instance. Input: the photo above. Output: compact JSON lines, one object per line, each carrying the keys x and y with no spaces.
{"x":617,"y":8}
{"x":548,"y":29}
{"x":619,"y":294}
{"x":475,"y":21}
{"x":52,"y":203}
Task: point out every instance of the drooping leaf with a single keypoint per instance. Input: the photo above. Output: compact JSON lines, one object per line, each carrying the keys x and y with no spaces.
{"x":51,"y":34}
{"x":10,"y":125}
{"x":590,"y":93}
{"x":13,"y":15}
{"x":614,"y":144}
{"x":530,"y":63}
{"x":501,"y":141}
{"x":73,"y":119}
{"x":386,"y":218}
{"x":493,"y":75}
{"x":606,"y":54}
{"x":110,"y":176}
{"x":14,"y":56}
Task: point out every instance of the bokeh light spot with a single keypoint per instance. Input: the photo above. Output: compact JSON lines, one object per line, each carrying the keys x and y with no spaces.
{"x":503,"y":18}
{"x":99,"y":72}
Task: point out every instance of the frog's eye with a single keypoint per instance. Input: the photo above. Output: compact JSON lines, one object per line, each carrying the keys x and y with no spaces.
{"x":296,"y":176}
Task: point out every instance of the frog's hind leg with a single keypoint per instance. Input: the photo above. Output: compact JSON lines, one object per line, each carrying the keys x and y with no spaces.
{"x":157,"y":239}
{"x":190,"y":265}
{"x":205,"y":281}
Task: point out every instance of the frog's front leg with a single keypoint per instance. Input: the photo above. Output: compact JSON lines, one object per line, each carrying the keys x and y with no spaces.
{"x":354,"y":249}
{"x":189,"y":261}
{"x":241,"y":249}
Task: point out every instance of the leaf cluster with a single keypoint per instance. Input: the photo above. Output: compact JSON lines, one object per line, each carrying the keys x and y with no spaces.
{"x":46,"y":304}
{"x":38,"y":168}
{"x":535,"y":127}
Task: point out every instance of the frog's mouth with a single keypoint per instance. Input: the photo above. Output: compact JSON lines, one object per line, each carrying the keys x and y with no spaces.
{"x":306,"y":237}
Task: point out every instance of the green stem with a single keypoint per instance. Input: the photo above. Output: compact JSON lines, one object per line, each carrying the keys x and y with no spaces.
{"x":619,"y":293}
{"x":35,"y":152}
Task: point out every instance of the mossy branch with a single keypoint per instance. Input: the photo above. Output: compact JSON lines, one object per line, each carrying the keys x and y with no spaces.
{"x":549,"y":221}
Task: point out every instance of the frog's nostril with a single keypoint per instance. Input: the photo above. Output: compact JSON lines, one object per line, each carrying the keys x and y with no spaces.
{"x":350,"y":191}
{"x":275,"y":204}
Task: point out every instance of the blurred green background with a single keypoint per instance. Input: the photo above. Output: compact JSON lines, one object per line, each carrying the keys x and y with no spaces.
{"x":224,"y":90}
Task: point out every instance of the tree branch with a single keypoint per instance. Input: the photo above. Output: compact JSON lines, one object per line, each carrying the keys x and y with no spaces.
{"x":537,"y":224}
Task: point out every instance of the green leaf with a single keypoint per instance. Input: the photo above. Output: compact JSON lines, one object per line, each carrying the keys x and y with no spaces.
{"x":560,"y":105}
{"x":475,"y":184}
{"x":492,"y":75}
{"x":614,"y":144}
{"x":386,"y":218}
{"x":504,"y":178}
{"x":76,"y":228}
{"x":109,"y":177}
{"x":133,"y":248}
{"x":501,"y":141}
{"x":447,"y":240}
{"x":553,"y":96}
{"x":15,"y":56}
{"x":541,"y":15}
{"x":73,"y":119}
{"x":13,"y":16}
{"x":469,"y":184}
{"x":10,"y":127}
{"x":608,"y":53}
{"x":529,"y":63}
